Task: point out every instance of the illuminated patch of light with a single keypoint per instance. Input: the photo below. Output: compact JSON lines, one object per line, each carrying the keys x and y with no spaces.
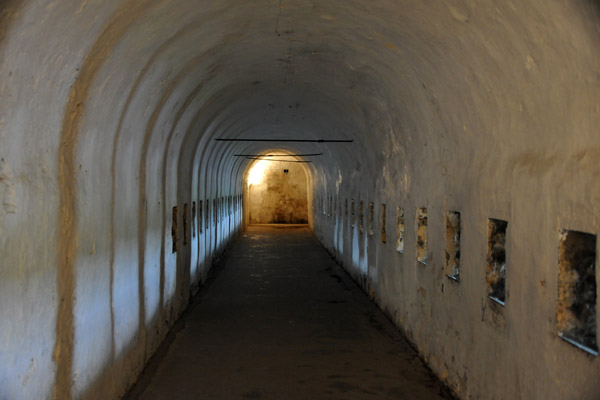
{"x":257,"y":173}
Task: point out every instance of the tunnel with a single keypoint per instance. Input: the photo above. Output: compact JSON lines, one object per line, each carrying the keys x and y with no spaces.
{"x":457,"y":181}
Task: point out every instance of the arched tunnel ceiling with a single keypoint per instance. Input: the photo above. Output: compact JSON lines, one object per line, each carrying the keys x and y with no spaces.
{"x":110,"y":108}
{"x":390,"y":75}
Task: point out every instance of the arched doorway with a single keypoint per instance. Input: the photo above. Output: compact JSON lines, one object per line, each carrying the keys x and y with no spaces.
{"x":277,"y":190}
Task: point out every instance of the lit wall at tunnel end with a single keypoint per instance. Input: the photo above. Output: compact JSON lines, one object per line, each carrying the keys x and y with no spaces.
{"x":267,"y":187}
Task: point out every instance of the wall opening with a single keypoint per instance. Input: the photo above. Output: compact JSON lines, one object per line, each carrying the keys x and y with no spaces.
{"x":346,"y":208}
{"x":361,"y":215}
{"x":335,"y":206}
{"x":453,"y":245}
{"x":278,"y":190}
{"x":221,"y":208}
{"x":207,"y":219}
{"x":200,"y":216}
{"x":330,"y":206}
{"x":576,"y":309}
{"x":193,"y":219}
{"x":215,"y":211}
{"x":422,"y":235}
{"x":400,"y":230}
{"x":174,"y":229}
{"x":496,"y":260}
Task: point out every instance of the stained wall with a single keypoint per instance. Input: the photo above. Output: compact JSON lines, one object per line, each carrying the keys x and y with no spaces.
{"x":277,"y":193}
{"x":108,"y":114}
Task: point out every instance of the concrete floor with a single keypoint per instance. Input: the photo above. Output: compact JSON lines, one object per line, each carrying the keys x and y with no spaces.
{"x":283,"y":321}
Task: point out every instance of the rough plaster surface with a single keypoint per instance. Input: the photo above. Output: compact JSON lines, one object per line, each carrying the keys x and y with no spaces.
{"x":108,"y":109}
{"x":280,"y":196}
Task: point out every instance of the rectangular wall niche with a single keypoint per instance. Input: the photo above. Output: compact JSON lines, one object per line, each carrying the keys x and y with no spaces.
{"x":193,"y":219}
{"x":382,"y":223}
{"x":453,"y":245}
{"x":333,"y":206}
{"x":422,"y":235}
{"x":200,"y":219}
{"x":361,"y":215}
{"x":352,"y":213}
{"x":185,"y":224}
{"x":495,"y":270}
{"x":174,"y":229}
{"x":334,"y":212}
{"x":207,"y":215}
{"x":371,"y":217}
{"x":400,"y":230}
{"x":576,"y":310}
{"x":215,"y":212}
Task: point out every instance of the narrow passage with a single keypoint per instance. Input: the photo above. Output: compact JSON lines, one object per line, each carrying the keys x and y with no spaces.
{"x":283,"y":321}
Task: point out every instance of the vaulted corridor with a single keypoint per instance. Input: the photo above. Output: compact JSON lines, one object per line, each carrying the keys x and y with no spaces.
{"x":445,"y":153}
{"x":283,"y":321}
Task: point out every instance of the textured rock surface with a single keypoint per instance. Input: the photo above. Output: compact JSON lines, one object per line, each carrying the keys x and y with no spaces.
{"x":109,"y":108}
